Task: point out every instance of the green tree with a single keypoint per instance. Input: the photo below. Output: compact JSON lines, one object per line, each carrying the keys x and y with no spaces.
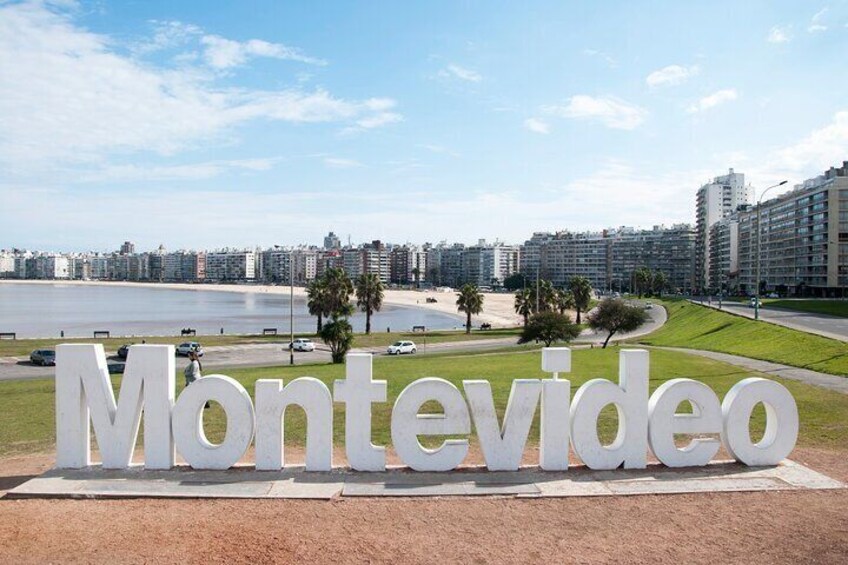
{"x":581,"y":290}
{"x":416,"y":273}
{"x":515,"y":281}
{"x":660,"y":282}
{"x":434,"y":276}
{"x":338,"y":335}
{"x":563,"y":300}
{"x":549,"y":327}
{"x":369,"y":296}
{"x":339,"y":288}
{"x":547,"y":295}
{"x":524,"y":304}
{"x":316,"y":300}
{"x":470,"y":301}
{"x":642,"y":280}
{"x":613,"y":315}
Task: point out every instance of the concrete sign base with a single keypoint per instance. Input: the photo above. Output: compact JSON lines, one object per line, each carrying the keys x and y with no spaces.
{"x":528,"y":482}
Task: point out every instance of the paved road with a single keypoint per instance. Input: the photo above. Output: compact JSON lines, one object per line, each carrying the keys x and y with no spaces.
{"x":821,"y":324}
{"x":273,"y":354}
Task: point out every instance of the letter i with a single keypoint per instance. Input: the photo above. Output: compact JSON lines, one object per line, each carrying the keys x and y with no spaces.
{"x":556,"y":400}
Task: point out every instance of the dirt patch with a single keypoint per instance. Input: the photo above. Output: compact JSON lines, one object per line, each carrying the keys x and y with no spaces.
{"x":764,"y":527}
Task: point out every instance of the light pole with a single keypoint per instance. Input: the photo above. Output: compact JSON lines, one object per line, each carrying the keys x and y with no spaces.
{"x":291,"y":307}
{"x":759,"y":247}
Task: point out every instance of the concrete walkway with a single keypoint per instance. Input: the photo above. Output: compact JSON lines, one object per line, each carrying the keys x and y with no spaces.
{"x":528,"y":482}
{"x":824,"y":380}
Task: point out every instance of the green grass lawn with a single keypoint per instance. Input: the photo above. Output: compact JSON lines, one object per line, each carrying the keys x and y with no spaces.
{"x":27,"y":409}
{"x":699,"y":327}
{"x":831,"y":307}
{"x":23,"y":347}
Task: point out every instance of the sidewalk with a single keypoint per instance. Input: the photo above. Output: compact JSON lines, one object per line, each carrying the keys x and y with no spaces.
{"x":824,"y":380}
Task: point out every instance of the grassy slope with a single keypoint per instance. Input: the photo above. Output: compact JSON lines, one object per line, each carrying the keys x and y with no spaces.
{"x":23,"y":347}
{"x":699,"y":327}
{"x":27,"y":414}
{"x":831,"y":307}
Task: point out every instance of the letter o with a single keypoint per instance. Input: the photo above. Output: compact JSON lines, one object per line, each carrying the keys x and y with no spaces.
{"x":187,"y":422}
{"x":781,"y":422}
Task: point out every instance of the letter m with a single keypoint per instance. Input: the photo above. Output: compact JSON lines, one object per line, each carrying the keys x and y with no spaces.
{"x":84,"y":393}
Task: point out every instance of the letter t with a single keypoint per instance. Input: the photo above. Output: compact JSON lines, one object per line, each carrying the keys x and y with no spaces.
{"x":358,"y":391}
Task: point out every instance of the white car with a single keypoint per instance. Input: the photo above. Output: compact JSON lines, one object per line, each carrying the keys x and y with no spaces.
{"x":189,"y":346}
{"x":400,"y":347}
{"x":302,"y":344}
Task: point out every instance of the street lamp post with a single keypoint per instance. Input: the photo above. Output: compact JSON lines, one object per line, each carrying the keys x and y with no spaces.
{"x":759,"y":248}
{"x":291,"y":308}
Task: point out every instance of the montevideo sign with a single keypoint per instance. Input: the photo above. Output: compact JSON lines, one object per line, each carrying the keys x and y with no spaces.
{"x":85,"y":399}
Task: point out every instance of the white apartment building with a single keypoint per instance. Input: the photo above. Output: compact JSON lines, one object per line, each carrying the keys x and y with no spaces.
{"x":231,"y":265}
{"x":715,"y":200}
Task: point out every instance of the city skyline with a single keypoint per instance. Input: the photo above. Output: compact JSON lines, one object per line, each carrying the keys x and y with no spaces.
{"x":267,"y":123}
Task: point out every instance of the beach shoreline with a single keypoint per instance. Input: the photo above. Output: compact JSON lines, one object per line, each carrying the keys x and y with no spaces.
{"x":498,"y":309}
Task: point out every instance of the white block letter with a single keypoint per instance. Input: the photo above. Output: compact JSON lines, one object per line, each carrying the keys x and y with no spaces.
{"x":631,"y":400}
{"x":84,"y":390}
{"x":556,"y":396}
{"x":271,"y":402}
{"x":187,"y":421}
{"x":408,"y":424}
{"x":781,"y":422}
{"x":554,"y":426}
{"x":358,"y":391}
{"x":664,"y":422}
{"x":502,"y":448}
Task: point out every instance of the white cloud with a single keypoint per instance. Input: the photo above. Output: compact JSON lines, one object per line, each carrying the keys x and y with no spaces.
{"x":69,"y":95}
{"x":192,"y":171}
{"x":342,"y":163}
{"x":713,"y":100}
{"x":779,"y":34}
{"x":537,"y":126}
{"x":612,"y":112}
{"x":816,"y":23}
{"x":222,"y":53}
{"x":820,"y":149}
{"x":167,"y":35}
{"x":671,"y":75}
{"x":609,"y":60}
{"x":455,"y":71}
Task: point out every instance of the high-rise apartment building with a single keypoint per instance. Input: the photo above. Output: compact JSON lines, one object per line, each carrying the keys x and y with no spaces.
{"x":802,"y":241}
{"x":715,"y":200}
{"x":332,"y":241}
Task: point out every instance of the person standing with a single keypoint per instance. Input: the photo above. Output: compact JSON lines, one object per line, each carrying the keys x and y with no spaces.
{"x":193,"y":370}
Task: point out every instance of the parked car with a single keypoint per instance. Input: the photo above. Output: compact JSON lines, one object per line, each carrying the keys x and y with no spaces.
{"x":116,"y":368}
{"x":773,"y":295}
{"x":649,"y":306}
{"x":43,"y":357}
{"x":302,"y":344}
{"x":752,"y":302}
{"x":401,"y":347}
{"x":185,"y":348}
{"x":124,"y":350}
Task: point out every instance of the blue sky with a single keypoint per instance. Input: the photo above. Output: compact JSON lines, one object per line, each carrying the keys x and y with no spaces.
{"x":201,"y":125}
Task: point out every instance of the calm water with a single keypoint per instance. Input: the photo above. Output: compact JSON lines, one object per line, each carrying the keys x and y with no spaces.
{"x":44,"y":310}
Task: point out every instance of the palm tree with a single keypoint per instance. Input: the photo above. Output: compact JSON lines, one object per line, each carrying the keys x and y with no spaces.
{"x":642,"y":280}
{"x":339,"y":289}
{"x":563,"y":300}
{"x":524,"y":304}
{"x":316,"y":300}
{"x":369,"y":296}
{"x":416,"y":272}
{"x":581,"y":290}
{"x":547,"y":294}
{"x":660,"y":282}
{"x":470,"y":301}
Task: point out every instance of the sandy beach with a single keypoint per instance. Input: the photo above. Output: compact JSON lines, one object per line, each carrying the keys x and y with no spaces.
{"x":498,"y":309}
